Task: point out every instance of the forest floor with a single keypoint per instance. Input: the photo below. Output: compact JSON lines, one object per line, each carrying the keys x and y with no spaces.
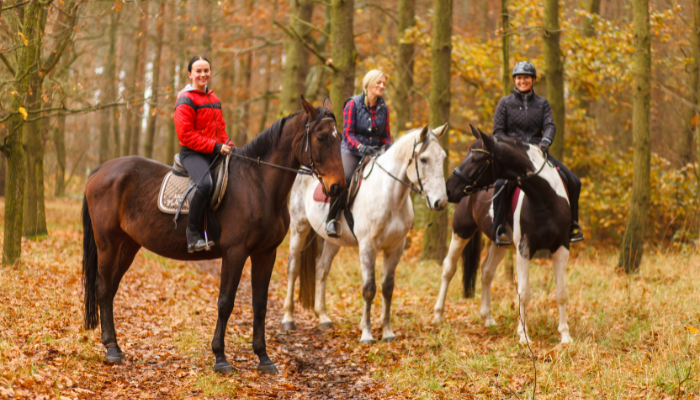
{"x":634,"y":336}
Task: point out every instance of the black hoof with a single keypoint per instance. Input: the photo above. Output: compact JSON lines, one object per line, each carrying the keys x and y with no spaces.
{"x":268,"y":369}
{"x":289,"y":326}
{"x":389,"y":339}
{"x":371,"y":341}
{"x":325,"y":326}
{"x":223,"y":368}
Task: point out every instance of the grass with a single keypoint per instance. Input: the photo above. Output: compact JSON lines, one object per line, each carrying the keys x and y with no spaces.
{"x":634,"y":336}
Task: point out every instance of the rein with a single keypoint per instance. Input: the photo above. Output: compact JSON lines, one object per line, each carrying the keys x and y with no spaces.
{"x":470,"y":189}
{"x":412,"y":159}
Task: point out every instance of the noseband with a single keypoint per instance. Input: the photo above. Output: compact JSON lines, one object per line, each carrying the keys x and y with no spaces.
{"x":306,"y":145}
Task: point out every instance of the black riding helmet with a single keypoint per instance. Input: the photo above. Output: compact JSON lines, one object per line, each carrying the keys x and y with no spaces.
{"x":524,"y":68}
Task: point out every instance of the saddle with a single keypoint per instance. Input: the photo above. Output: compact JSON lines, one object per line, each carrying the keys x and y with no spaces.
{"x":178,"y":184}
{"x":351,"y":192}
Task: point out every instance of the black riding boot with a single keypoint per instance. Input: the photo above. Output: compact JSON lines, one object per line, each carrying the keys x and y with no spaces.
{"x":500,"y":210}
{"x":337,"y":207}
{"x":198,"y":207}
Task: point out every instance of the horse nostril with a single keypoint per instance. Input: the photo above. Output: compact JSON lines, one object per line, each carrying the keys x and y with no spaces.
{"x":437,"y":204}
{"x":335,"y":189}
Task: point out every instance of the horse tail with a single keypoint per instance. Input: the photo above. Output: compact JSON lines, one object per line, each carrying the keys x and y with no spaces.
{"x":91,"y":314}
{"x":471,"y":256}
{"x":307,"y":274}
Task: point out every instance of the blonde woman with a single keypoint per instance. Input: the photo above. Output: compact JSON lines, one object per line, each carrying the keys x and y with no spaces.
{"x":365,"y":132}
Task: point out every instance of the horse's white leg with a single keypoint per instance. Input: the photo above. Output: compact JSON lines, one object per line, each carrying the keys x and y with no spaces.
{"x":488,"y":271}
{"x":368,"y":256}
{"x":299,"y":230}
{"x":323,"y":267}
{"x":522,"y":261}
{"x":561,"y":258}
{"x":391,"y":260}
{"x":449,"y":267}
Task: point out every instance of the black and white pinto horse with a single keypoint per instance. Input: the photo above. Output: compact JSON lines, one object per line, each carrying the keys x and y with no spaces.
{"x":541,"y":221}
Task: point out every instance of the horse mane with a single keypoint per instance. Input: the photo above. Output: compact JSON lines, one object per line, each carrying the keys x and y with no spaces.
{"x":404,"y":144}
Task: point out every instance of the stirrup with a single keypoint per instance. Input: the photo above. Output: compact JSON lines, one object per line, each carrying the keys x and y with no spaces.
{"x":576,"y":234}
{"x":502,"y":239}
{"x":333,"y":229}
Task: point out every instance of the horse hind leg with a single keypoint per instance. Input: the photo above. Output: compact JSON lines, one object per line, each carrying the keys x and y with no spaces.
{"x":449,"y":267}
{"x":488,"y":271}
{"x":391,"y":260}
{"x":323,"y":268}
{"x":561,"y":258}
{"x":296,"y":245}
{"x":523,"y":270}
{"x":113,"y":263}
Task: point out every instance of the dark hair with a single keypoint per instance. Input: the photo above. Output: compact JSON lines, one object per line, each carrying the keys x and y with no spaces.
{"x":195,"y":59}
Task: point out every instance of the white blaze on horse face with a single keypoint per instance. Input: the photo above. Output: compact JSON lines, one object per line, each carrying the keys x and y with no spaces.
{"x":335,"y":132}
{"x":548,"y":173}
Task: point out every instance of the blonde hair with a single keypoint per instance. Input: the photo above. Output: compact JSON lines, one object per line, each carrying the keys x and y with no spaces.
{"x":371,"y":78}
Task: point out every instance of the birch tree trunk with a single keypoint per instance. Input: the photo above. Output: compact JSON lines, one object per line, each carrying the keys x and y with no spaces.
{"x":632,"y":246}
{"x":554,"y":70}
{"x":404,"y":66}
{"x":434,"y":244}
{"x":155,"y":85}
{"x":342,"y":52}
{"x":296,"y":63}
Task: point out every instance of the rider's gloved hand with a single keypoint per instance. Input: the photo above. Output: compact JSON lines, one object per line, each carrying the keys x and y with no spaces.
{"x":544,"y":146}
{"x":367,"y":150}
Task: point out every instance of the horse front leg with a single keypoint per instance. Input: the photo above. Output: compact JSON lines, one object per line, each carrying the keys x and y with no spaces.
{"x":523,"y":270}
{"x":231,"y":268}
{"x":323,"y":267}
{"x":296,"y":245}
{"x":449,"y":267}
{"x":488,"y":271}
{"x":561,"y":258}
{"x":391,"y":260}
{"x":368,"y":257}
{"x":261,"y":271}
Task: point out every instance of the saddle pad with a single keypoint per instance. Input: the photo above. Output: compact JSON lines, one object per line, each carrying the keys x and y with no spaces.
{"x":319,"y":196}
{"x":174,"y":187}
{"x":516,"y":196}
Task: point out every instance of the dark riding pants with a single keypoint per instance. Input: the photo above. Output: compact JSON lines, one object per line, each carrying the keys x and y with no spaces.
{"x":197,"y":165}
{"x":350,"y":163}
{"x":501,"y":203}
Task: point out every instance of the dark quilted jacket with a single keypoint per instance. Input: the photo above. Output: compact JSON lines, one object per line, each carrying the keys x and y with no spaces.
{"x":527,"y":118}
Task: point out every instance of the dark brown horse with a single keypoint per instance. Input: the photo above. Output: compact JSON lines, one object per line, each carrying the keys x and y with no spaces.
{"x":540,"y":221}
{"x":120,"y":216}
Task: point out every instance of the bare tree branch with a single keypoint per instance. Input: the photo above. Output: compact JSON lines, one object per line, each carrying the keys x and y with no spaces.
{"x":294,"y":35}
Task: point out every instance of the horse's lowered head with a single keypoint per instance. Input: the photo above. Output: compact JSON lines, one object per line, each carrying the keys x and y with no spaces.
{"x":320,"y":147}
{"x":487,"y":160}
{"x":425,"y":166}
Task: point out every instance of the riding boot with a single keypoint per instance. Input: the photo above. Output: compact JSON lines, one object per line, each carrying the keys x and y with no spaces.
{"x":575,"y":232}
{"x":195,"y":241}
{"x":337,"y":206}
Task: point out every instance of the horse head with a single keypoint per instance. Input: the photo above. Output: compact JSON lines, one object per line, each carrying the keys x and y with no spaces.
{"x":425,"y":167}
{"x":320,"y":147}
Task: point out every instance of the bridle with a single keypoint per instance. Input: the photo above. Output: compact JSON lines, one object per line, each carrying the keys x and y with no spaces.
{"x":306,"y":145}
{"x":414,"y":160}
{"x":471,"y":188}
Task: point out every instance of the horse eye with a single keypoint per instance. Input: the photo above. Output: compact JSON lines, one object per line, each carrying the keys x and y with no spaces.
{"x":424,"y":160}
{"x":321,"y":138}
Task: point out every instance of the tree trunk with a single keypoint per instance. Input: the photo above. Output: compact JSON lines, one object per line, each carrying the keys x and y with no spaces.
{"x":685,"y":142}
{"x":113,"y":76}
{"x":404,"y":67}
{"x":296,"y":62}
{"x":588,"y":27}
{"x":554,"y":71}
{"x":342,"y":52}
{"x":268,"y":72}
{"x":138,"y":86}
{"x":505,"y":48}
{"x":177,"y":79}
{"x":3,"y":173}
{"x":435,"y":235}
{"x":155,"y":85}
{"x":696,"y":68}
{"x":632,"y":246}
{"x":59,"y":138}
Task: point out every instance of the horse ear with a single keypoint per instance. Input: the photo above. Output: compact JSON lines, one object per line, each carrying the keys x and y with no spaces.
{"x":327,"y":104}
{"x":475,"y":132}
{"x":487,"y":141}
{"x":441,"y":130}
{"x":309,"y":109}
{"x":423,"y":133}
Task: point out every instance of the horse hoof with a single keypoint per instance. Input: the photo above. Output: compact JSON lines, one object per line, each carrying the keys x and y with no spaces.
{"x":388,"y":339}
{"x":289,"y":326}
{"x":223,"y":368}
{"x":368,"y":341}
{"x":325,"y":326}
{"x":268,"y":369}
{"x":114,"y":359}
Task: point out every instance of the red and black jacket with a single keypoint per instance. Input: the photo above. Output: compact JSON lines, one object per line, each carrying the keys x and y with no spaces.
{"x":199,"y":121}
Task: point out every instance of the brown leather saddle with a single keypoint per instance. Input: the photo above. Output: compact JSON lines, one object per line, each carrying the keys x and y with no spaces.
{"x":178,"y":184}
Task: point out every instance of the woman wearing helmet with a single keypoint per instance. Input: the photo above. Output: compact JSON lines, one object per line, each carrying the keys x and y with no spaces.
{"x":527,"y":117}
{"x":365,"y":132}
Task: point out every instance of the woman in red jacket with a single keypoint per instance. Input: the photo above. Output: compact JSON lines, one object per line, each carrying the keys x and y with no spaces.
{"x":202,"y":132}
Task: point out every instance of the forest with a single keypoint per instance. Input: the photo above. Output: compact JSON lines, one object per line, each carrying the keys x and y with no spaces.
{"x":85,"y":82}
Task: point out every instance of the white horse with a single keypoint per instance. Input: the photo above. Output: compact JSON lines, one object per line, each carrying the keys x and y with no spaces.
{"x":541,"y":220}
{"x":383,"y":215}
